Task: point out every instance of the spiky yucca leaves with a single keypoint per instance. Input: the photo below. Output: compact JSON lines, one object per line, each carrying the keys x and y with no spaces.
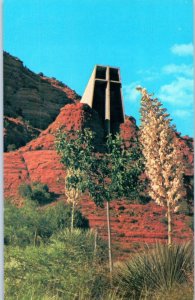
{"x":157,"y":269}
{"x":163,"y":160}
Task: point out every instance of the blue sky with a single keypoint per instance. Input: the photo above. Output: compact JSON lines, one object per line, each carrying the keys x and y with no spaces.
{"x":150,"y":40}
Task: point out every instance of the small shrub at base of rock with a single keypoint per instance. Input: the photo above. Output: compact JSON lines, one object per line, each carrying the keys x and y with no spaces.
{"x":11,"y":147}
{"x":164,"y":221}
{"x":37,"y":191}
{"x":191,"y":223}
{"x":25,"y":190}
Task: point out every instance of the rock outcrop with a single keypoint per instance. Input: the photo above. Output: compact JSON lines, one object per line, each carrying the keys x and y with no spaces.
{"x":34,"y":98}
{"x":38,"y":161}
{"x":17,"y":133}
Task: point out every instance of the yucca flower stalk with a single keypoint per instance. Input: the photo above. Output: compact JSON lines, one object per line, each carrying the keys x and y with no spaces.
{"x":73,"y":194}
{"x":163,"y":160}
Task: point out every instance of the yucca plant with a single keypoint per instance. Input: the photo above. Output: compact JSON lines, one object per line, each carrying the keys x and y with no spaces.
{"x":164,"y":165}
{"x":155,"y":269}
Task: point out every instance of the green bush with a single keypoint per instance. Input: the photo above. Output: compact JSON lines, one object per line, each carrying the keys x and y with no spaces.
{"x":66,"y":268}
{"x":25,"y":190}
{"x":32,"y":225}
{"x":11,"y":147}
{"x":191,"y":223}
{"x":37,"y":191}
{"x":62,"y":214}
{"x":155,"y":269}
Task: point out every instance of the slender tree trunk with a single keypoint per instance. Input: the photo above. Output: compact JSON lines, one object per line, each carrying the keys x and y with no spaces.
{"x":109,"y":237}
{"x":169,"y":225}
{"x":35,"y":238}
{"x":72,"y":217}
{"x":95,"y":242}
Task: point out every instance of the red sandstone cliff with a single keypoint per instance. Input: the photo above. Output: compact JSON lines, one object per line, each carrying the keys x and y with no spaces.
{"x":32,"y":97}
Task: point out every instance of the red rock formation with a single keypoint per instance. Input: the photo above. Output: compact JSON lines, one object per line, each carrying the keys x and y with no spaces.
{"x":17,"y":133}
{"x":72,"y":116}
{"x":129,"y":131}
{"x":34,"y":97}
{"x":39,"y":158}
{"x":134,"y":225}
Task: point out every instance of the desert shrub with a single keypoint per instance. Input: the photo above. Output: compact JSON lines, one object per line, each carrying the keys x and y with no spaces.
{"x":6,"y":123}
{"x":25,"y":190}
{"x":40,"y":193}
{"x":144,"y":199}
{"x":178,"y":292}
{"x":164,"y":220}
{"x":37,"y":191}
{"x":191,"y":223}
{"x":30,"y":225}
{"x":66,"y":268}
{"x":155,"y":269}
{"x":185,"y":208}
{"x":11,"y":147}
{"x":62,"y":214}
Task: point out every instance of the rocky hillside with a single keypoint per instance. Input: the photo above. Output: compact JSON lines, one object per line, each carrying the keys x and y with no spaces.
{"x":17,"y":133}
{"x":32,"y":98}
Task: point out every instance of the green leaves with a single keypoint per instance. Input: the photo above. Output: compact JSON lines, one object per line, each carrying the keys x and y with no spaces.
{"x":30,"y":225}
{"x":105,"y":176}
{"x":62,"y":269}
{"x":157,"y":268}
{"x":37,"y":192}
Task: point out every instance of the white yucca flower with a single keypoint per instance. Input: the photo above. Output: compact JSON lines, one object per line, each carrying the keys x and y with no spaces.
{"x":163,"y":163}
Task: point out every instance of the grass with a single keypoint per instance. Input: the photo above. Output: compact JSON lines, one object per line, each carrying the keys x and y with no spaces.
{"x":68,"y":267}
{"x":74,"y":266}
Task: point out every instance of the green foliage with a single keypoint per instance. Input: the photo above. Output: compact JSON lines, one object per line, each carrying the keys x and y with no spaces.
{"x":6,"y":123}
{"x":40,"y":193}
{"x":116,"y":172}
{"x":105,"y":176}
{"x":75,"y":149}
{"x":191,"y":223}
{"x":11,"y":147}
{"x":155,"y":269}
{"x":61,"y":213}
{"x":25,"y":190}
{"x":66,"y":268}
{"x":30,"y":226}
{"x":37,"y":191}
{"x":177,"y":292}
{"x":164,"y":220}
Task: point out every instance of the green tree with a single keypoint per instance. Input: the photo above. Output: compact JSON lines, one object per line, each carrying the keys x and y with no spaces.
{"x":114,"y":174}
{"x":75,"y":149}
{"x":163,"y":160}
{"x":105,"y":176}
